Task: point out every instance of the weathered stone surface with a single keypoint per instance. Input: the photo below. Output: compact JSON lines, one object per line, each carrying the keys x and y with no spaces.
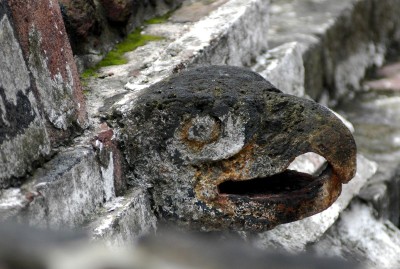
{"x":95,"y":26}
{"x":23,"y":136}
{"x":49,"y":57}
{"x":233,"y":34}
{"x":197,"y":139}
{"x":80,"y":18}
{"x":41,"y":103}
{"x":283,"y":66}
{"x":192,"y":11}
{"x":64,"y":193}
{"x":12,"y":201}
{"x":295,"y":237}
{"x":110,"y":159}
{"x":361,"y":236}
{"x":126,"y":219}
{"x":340,"y":40}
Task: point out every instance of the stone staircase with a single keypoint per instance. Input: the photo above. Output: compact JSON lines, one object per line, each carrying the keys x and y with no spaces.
{"x":312,"y":47}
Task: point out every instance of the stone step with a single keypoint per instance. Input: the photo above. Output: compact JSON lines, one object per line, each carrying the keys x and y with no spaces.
{"x":61,"y":194}
{"x":361,"y":236}
{"x":232,"y":33}
{"x":339,"y":41}
{"x":124,"y":219}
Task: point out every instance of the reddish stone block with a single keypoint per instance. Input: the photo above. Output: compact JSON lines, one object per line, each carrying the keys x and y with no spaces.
{"x":44,"y":42}
{"x":41,"y":99}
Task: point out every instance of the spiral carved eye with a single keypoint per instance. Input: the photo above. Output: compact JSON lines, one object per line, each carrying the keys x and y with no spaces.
{"x":203,"y":130}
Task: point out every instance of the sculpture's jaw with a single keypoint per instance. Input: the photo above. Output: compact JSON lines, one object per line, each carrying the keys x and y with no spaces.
{"x":281,"y":198}
{"x":261,"y":203}
{"x":289,"y":183}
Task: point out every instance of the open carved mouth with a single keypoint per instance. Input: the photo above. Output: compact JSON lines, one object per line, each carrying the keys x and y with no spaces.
{"x":288,"y":182}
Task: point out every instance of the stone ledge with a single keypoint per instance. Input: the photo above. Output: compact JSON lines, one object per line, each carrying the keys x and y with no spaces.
{"x":359,"y":235}
{"x":124,"y":220}
{"x":233,"y":34}
{"x":283,"y":67}
{"x":336,"y":37}
{"x":62,"y":194}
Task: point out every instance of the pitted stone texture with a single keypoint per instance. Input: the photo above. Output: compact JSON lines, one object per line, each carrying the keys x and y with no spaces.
{"x":126,"y":219}
{"x":340,"y":40}
{"x":360,"y":236}
{"x":81,"y":18}
{"x":185,"y":137}
{"x":284,"y":67}
{"x":294,"y":237}
{"x":23,"y":136}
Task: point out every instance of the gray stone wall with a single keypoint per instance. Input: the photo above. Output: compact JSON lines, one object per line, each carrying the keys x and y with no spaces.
{"x":41,"y":100}
{"x":339,"y":40}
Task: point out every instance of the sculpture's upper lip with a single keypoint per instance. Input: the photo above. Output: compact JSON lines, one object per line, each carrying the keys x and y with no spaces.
{"x":288,"y":184}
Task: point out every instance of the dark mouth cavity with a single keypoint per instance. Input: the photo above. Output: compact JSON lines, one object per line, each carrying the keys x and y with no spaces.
{"x":288,"y":181}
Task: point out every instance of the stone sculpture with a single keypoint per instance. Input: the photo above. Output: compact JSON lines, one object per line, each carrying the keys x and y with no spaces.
{"x":212,"y":145}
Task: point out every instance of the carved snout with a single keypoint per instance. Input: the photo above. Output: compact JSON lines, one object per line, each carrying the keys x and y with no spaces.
{"x":213,"y":145}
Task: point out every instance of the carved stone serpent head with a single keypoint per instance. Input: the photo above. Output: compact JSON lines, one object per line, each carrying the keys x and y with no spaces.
{"x":212,"y":146}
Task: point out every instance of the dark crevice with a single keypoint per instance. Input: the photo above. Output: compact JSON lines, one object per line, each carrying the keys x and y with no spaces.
{"x":285,"y":182}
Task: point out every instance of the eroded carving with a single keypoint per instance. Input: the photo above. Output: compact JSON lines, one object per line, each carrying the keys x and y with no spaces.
{"x":212,"y":146}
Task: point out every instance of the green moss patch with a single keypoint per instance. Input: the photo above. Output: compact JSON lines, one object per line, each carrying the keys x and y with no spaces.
{"x":116,"y":55}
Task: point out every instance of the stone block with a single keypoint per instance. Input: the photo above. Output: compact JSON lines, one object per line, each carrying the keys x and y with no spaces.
{"x":124,"y":219}
{"x":49,"y":58}
{"x":360,"y":236}
{"x":64,"y":193}
{"x":41,"y":100}
{"x":23,"y":136}
{"x":283,"y":66}
{"x":339,"y":40}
